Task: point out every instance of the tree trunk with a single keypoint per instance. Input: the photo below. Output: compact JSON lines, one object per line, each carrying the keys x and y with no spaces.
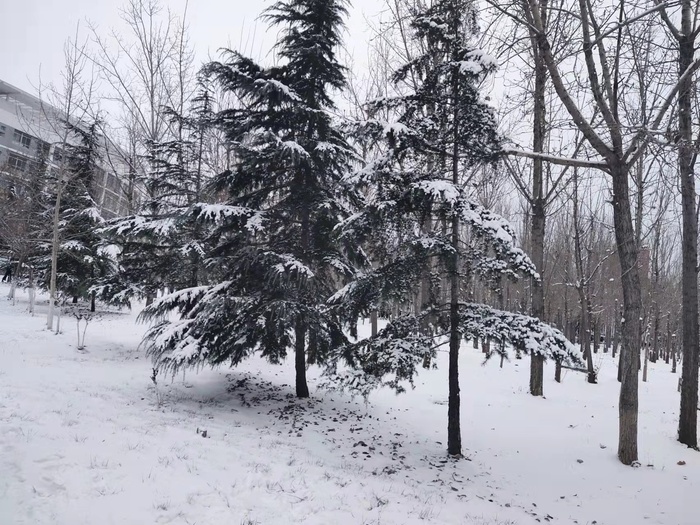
{"x":538,"y":205}
{"x":302,"y":387}
{"x":632,"y":309}
{"x":688,"y":420}
{"x":616,"y":334}
{"x":301,"y":327}
{"x":586,"y":334}
{"x":596,"y":335}
{"x":32,"y":290}
{"x":668,"y":340}
{"x":454,"y":433}
{"x":54,"y":246}
{"x":454,"y":436}
{"x":655,"y":348}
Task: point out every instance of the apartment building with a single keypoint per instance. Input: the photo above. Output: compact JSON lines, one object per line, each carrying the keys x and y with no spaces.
{"x":28,"y":132}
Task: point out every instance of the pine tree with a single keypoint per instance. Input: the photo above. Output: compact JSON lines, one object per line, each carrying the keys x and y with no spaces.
{"x":84,"y":261}
{"x":422,"y":209}
{"x":159,"y":246}
{"x":273,"y":261}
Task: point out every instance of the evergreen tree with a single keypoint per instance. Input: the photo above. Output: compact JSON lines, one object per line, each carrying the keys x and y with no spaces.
{"x":422,"y":209}
{"x":273,"y":260}
{"x":23,"y":211}
{"x":84,"y":260}
{"x":159,"y":247}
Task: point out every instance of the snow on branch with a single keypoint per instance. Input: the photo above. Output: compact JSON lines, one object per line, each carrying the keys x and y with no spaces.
{"x":555,"y":159}
{"x":390,"y":359}
{"x":523,"y":332}
{"x":289,"y":264}
{"x":394,"y":356}
{"x":219,"y":213}
{"x":138,"y":225}
{"x":498,"y":232}
{"x":272,"y":86}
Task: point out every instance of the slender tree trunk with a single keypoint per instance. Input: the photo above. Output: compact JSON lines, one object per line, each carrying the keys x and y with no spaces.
{"x":302,"y":389}
{"x":55,"y":245}
{"x":586,"y":334}
{"x":454,"y":437}
{"x":655,"y":342}
{"x":632,"y":309}
{"x":32,"y":291}
{"x":596,"y":335}
{"x":454,"y":434}
{"x":301,"y":327}
{"x":538,"y":207}
{"x":668,"y":339}
{"x":688,"y":420}
{"x":582,"y":286}
{"x":616,"y":334}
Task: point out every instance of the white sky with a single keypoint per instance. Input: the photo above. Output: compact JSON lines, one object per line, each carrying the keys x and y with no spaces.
{"x":33,"y":32}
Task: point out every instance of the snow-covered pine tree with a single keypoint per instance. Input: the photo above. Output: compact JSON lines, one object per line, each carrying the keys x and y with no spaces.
{"x":422,"y":208}
{"x":159,"y":246}
{"x":23,"y":212}
{"x":84,"y":261}
{"x":274,"y":255}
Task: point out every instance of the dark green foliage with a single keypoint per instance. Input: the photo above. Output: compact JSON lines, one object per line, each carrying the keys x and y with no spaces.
{"x":441,"y":130}
{"x":85,"y":261}
{"x":271,"y":242}
{"x":160,"y":247}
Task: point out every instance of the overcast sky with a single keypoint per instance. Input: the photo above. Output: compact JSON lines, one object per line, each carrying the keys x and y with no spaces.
{"x":33,"y":32}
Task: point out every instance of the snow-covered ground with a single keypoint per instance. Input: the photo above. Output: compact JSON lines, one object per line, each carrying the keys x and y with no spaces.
{"x":87,"y":438}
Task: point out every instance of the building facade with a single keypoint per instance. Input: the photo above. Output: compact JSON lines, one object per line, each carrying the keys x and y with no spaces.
{"x":30,"y":137}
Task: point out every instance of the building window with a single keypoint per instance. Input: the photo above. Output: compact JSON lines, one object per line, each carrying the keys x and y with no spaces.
{"x":23,"y":139}
{"x":16,"y":162}
{"x":3,"y":129}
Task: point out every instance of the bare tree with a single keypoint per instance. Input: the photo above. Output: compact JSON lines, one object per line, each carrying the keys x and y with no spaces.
{"x":68,"y":103}
{"x":147,"y":68}
{"x":684,"y":37}
{"x":619,"y":139}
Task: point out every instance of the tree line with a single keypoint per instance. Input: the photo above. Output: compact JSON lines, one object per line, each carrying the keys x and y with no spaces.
{"x":280,"y":204}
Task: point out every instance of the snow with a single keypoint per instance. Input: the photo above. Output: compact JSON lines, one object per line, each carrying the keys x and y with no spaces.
{"x":470,"y":66}
{"x":139,"y":225}
{"x":440,"y":189}
{"x":290,"y":264}
{"x":218,"y":213}
{"x":394,"y":128}
{"x":271,"y":85}
{"x":294,"y":148}
{"x":87,"y":437}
